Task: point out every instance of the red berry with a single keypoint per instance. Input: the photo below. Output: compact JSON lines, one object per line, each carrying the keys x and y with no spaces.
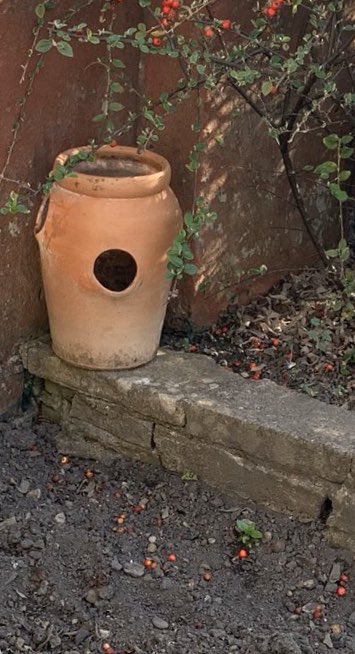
{"x":107,"y":649}
{"x":317,"y":613}
{"x":208,"y":32}
{"x":175,"y":4}
{"x":148,"y":563}
{"x":275,"y":342}
{"x":271,"y":12}
{"x":226,"y":24}
{"x":156,"y":41}
{"x":328,"y":367}
{"x":165,"y":10}
{"x":341,"y":591}
{"x":243,"y":554}
{"x":344,"y":578}
{"x":172,"y":558}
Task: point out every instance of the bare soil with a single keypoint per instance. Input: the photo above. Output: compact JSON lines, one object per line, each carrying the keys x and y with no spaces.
{"x":74,"y":536}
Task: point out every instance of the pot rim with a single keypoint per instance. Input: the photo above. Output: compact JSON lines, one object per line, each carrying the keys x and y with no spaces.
{"x":117,"y":187}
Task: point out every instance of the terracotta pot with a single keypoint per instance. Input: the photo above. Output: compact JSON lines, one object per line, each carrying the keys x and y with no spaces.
{"x":103,"y":237}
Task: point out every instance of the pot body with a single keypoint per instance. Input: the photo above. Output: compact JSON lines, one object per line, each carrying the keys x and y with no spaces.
{"x":103,"y":248}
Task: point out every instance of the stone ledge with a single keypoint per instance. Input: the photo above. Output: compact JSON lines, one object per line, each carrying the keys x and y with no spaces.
{"x":258,"y":440}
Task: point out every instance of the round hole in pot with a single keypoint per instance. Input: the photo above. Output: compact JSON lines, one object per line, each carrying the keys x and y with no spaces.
{"x":115,"y":270}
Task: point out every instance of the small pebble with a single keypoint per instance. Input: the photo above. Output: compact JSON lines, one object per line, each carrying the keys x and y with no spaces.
{"x":277,"y":546}
{"x":60,"y":518}
{"x":116,"y":565}
{"x":106,"y":592}
{"x":134,"y":569}
{"x":35,"y":494}
{"x":159,"y":623}
{"x":335,"y":573}
{"x":336,"y":629}
{"x":91,"y":596}
{"x":328,"y":642}
{"x":24,"y":486}
{"x":309,"y":584}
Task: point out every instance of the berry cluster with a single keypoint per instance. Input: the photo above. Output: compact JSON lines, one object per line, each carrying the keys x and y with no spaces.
{"x":168,"y":11}
{"x":272,"y":10}
{"x":224,"y":24}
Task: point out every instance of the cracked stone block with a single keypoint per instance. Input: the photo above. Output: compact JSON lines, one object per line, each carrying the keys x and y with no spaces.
{"x":113,"y":419}
{"x":236,"y":475}
{"x":80,"y":438}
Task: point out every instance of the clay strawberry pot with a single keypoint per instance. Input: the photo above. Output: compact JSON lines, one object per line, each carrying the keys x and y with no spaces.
{"x":104,"y":235}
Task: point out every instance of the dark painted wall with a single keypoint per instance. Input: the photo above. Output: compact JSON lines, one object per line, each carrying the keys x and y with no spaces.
{"x":58,"y":114}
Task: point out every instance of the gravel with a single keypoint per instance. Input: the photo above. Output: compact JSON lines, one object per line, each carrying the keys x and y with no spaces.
{"x":74,"y":575}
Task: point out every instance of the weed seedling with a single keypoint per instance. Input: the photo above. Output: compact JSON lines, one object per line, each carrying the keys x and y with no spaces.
{"x":248,"y":534}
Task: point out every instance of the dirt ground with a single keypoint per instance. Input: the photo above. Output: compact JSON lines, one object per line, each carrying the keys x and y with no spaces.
{"x":300,"y":335}
{"x":74,"y":537}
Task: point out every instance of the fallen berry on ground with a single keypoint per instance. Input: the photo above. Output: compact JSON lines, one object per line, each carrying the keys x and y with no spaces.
{"x":341,"y":591}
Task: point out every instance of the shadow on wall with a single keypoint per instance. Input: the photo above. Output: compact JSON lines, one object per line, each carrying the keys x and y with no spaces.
{"x":242,"y":177}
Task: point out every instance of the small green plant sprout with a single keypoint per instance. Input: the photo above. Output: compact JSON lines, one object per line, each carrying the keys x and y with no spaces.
{"x":248,"y":534}
{"x":188,"y":475}
{"x":13,"y":205}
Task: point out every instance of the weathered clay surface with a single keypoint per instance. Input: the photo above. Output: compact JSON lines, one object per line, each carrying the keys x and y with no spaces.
{"x":258,"y":441}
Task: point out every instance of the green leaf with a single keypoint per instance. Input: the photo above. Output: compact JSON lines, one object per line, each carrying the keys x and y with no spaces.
{"x":331,"y":141}
{"x":346,"y":153}
{"x":344,"y":175}
{"x":175,"y":261}
{"x":190,"y":269}
{"x":194,"y":57}
{"x":145,"y":3}
{"x":338,"y":193}
{"x":44,"y":45}
{"x":99,"y":118}
{"x":116,"y":87}
{"x":266,"y":87}
{"x":327,"y":167}
{"x":40,"y":10}
{"x":116,"y":106}
{"x":332,"y":253}
{"x":118,"y":63}
{"x":65,"y":49}
{"x":345,"y":140}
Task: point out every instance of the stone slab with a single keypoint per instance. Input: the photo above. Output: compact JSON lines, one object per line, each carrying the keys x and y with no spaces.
{"x":238,"y":476}
{"x":113,"y":420}
{"x":80,"y":438}
{"x":256,"y":440}
{"x":149,"y":391}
